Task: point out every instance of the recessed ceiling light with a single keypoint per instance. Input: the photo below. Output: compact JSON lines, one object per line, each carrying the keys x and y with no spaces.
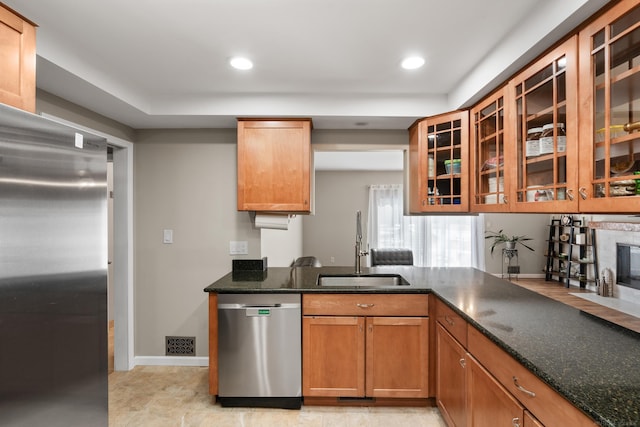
{"x":412,"y":62}
{"x":241,"y":63}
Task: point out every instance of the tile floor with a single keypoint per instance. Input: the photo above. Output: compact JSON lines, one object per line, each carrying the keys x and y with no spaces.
{"x":171,"y":396}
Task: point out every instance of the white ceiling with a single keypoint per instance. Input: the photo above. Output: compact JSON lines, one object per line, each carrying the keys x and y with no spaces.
{"x":164,"y":64}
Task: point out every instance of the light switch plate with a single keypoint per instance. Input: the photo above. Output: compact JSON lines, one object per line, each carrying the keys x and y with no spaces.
{"x":79,"y":140}
{"x":167,"y":236}
{"x":238,"y":247}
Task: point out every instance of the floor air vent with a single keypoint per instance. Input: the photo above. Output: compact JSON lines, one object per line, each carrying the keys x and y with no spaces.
{"x":181,"y":346}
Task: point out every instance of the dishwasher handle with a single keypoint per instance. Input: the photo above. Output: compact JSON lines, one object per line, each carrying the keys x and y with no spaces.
{"x":260,"y":305}
{"x":248,"y":306}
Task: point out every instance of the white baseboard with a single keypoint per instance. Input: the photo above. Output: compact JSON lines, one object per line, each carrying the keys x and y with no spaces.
{"x":170,"y":361}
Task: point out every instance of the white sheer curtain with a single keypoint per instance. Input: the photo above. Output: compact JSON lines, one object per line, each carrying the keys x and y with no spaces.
{"x":436,"y":241}
{"x":385,"y":219}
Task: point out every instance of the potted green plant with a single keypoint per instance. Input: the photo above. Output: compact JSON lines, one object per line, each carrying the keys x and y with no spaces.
{"x":499,"y":237}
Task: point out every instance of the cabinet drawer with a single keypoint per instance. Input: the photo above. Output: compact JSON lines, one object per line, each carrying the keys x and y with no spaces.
{"x":541,"y":400}
{"x":365,"y":305}
{"x":452,"y":322}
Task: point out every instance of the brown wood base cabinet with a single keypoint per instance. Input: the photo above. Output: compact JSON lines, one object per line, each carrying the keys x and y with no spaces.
{"x":480,"y":385}
{"x":358,"y":345}
{"x":451,"y":378}
{"x":542,"y":402}
{"x":451,"y":369}
{"x":333,"y":356}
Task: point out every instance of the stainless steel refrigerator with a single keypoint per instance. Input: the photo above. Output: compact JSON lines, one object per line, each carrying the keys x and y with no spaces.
{"x":53,"y":274}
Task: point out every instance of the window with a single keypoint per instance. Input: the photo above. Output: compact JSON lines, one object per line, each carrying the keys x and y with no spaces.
{"x":436,"y":241}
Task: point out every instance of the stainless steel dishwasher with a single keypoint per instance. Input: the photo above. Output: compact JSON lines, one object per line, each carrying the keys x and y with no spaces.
{"x":259,"y":350}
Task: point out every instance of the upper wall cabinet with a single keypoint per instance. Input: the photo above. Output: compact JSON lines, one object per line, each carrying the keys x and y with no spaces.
{"x":274,"y":165}
{"x":17,"y":60}
{"x":439,"y":164}
{"x":610,"y":111}
{"x":490,"y":180}
{"x":543,"y":165}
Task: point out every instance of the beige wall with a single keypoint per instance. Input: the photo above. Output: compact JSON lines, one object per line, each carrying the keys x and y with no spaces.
{"x":339,"y":194}
{"x":58,"y":107}
{"x":532,"y":225}
{"x":185,"y":180}
{"x":282,"y":247}
{"x":331,"y":232}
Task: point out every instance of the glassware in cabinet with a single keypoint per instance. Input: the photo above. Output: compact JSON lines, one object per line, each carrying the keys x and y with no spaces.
{"x":445,"y":182}
{"x":546,"y":142}
{"x":610,"y":131}
{"x":490,"y":182}
{"x":438,"y":164}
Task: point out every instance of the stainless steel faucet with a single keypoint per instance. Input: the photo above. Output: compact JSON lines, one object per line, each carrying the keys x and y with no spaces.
{"x":359,"y":252}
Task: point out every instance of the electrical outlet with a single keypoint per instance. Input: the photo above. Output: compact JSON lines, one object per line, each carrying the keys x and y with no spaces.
{"x":238,"y":247}
{"x":333,"y":260}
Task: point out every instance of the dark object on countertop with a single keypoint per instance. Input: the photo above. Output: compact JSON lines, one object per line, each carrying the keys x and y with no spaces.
{"x":249,"y":264}
{"x":391,"y":256}
{"x":307,"y":261}
{"x":249,"y":270}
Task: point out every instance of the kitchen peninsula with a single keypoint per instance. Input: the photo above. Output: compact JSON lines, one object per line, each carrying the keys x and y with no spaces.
{"x":590,"y":362}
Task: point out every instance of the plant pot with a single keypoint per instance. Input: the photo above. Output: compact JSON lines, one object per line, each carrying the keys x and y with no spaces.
{"x":510,"y":245}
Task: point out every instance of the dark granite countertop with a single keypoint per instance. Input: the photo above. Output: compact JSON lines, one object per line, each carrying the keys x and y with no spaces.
{"x":593,"y":363}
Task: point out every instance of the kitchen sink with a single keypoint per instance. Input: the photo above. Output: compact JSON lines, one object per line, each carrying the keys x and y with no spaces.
{"x":361,"y":280}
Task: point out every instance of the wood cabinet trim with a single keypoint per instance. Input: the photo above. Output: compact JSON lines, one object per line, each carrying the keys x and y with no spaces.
{"x":213,"y":344}
{"x":365,"y":304}
{"x":452,"y":322}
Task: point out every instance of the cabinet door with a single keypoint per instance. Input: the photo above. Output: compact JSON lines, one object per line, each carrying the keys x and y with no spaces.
{"x":274,"y":165}
{"x":489,"y":179}
{"x":610,"y":117}
{"x":333,"y":356}
{"x":439,"y":163}
{"x":489,"y":404}
{"x":530,"y":421}
{"x":547,"y":404}
{"x":545,"y":98}
{"x":450,"y":378}
{"x":17,"y":61}
{"x":397,"y":357}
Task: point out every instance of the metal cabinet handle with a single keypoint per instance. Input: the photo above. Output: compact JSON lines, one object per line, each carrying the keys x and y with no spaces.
{"x":522,"y":389}
{"x":583,"y":193}
{"x":364,"y":305}
{"x":463,"y":362}
{"x":515,"y":422}
{"x":505,"y":200}
{"x":449,"y":320}
{"x":570,"y":195}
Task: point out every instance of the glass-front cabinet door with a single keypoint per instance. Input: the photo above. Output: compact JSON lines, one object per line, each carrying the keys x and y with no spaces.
{"x":610,"y":111}
{"x":489,"y":180}
{"x":439,"y":164}
{"x":546,"y":133}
